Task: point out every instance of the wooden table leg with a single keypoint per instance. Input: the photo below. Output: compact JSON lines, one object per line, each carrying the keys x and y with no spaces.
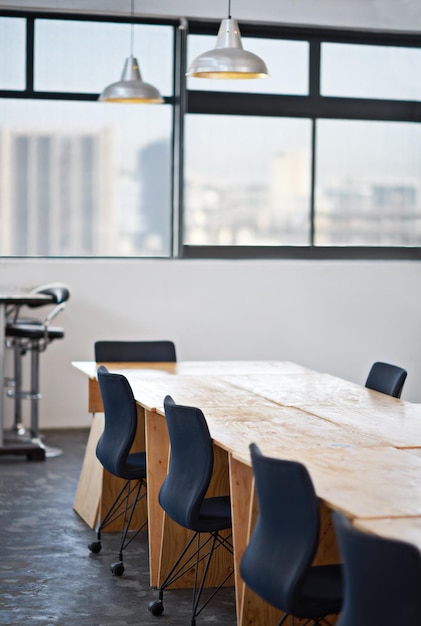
{"x":88,"y":493}
{"x":157,"y":455}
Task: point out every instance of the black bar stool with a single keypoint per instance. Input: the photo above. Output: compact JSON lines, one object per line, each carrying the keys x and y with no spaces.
{"x":33,"y":335}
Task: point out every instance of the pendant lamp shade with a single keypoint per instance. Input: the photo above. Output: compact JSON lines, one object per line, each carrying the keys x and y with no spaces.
{"x":228,"y":59}
{"x":130,"y":88}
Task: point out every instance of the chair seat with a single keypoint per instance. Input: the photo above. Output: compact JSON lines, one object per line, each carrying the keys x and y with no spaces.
{"x":33,"y":331}
{"x":135,"y":466}
{"x":321,"y":592}
{"x":214,"y":514}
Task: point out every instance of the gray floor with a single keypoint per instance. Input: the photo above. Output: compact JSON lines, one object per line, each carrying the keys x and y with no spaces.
{"x":48,"y":577}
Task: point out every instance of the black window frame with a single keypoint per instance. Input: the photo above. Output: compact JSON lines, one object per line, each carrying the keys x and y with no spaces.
{"x":30,"y":93}
{"x":184,"y":101}
{"x":313,"y":106}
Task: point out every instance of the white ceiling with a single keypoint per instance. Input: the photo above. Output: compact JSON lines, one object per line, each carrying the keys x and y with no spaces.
{"x":373,"y":14}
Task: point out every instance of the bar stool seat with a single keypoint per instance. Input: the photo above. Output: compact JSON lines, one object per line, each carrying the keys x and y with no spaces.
{"x":33,"y":331}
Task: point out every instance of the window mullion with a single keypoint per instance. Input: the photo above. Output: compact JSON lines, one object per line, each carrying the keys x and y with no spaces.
{"x":313,"y":182}
{"x":179,"y":111}
{"x":30,"y":27}
{"x":314,"y":67}
{"x":314,"y":92}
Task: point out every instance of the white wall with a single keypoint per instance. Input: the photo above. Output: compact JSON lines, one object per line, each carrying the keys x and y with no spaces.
{"x":332,"y":316}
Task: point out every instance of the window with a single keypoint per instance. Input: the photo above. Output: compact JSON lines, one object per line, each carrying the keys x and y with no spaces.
{"x":368,"y":183}
{"x":97,"y":176}
{"x":320,"y":160}
{"x":251,"y":185}
{"x":321,"y":167}
{"x":358,"y":71}
{"x":79,"y":177}
{"x":12,"y":53}
{"x":90,"y":55}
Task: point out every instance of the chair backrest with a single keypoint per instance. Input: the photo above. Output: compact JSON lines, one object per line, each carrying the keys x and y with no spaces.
{"x":386,"y":378}
{"x":191,"y":464}
{"x":382,"y":578}
{"x":133,"y":351}
{"x":285,"y":537}
{"x":120,"y":421}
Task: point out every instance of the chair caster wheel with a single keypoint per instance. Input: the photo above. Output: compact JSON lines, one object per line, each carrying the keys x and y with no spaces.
{"x":156,"y":607}
{"x":95,"y":547}
{"x":117,"y":568}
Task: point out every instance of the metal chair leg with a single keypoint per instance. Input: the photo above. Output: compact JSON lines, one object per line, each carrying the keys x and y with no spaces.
{"x":183,"y":565}
{"x":122,"y":507}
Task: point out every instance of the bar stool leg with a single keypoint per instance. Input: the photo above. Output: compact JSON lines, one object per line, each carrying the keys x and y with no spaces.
{"x":18,"y":425}
{"x":34,"y":398}
{"x":35,"y":395}
{"x":19,"y":433}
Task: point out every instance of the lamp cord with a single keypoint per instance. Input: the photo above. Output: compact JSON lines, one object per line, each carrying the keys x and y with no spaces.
{"x":229,"y":9}
{"x":131,"y":30}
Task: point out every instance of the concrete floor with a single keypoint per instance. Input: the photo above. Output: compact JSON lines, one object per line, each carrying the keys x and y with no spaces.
{"x":48,"y":577}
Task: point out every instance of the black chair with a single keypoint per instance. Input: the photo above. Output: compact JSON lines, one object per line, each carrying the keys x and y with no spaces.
{"x":133,"y":351}
{"x":386,"y":378}
{"x":182,"y":496}
{"x":382,"y":578}
{"x":25,"y":334}
{"x":277,"y":562}
{"x":113,"y":452}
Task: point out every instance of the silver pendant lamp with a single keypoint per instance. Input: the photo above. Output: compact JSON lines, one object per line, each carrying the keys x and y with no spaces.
{"x":130,"y":88}
{"x":228,"y":59}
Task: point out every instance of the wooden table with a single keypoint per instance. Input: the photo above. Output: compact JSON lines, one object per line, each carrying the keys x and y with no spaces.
{"x":341,"y":402}
{"x":401,"y":528}
{"x":351,"y":451}
{"x":398,"y":528}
